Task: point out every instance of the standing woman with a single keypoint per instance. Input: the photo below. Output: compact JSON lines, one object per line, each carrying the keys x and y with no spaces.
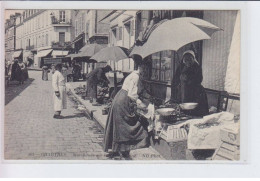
{"x":124,"y":131}
{"x":45,"y":73}
{"x":60,"y":97}
{"x":187,"y":83}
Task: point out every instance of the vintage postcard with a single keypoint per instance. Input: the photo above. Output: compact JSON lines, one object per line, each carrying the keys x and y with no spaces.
{"x":119,"y":84}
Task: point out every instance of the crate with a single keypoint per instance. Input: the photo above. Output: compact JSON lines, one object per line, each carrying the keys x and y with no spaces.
{"x":173,"y":143}
{"x":227,"y":151}
{"x":231,"y":136}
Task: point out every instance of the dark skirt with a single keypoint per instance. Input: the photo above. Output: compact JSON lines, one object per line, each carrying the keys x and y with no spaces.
{"x":91,"y":88}
{"x":124,"y":130}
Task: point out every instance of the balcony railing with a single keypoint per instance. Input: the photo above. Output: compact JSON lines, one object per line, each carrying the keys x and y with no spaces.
{"x":56,"y":21}
{"x":59,"y":45}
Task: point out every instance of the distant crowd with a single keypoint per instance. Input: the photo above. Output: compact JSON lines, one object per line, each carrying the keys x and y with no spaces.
{"x":16,"y":70}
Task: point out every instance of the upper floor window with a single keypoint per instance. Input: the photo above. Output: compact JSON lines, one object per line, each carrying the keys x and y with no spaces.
{"x":120,"y":33}
{"x":62,"y":16}
{"x":76,"y":28}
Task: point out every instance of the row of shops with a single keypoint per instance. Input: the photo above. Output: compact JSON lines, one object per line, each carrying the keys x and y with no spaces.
{"x":175,"y":135}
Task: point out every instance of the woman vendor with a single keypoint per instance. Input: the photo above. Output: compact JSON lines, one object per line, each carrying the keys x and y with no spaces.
{"x":187,"y":83}
{"x":124,"y":131}
{"x":95,"y":77}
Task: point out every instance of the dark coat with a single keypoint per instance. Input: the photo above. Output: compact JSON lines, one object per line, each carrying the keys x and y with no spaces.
{"x":95,"y":77}
{"x":124,"y":131}
{"x":187,"y":83}
{"x":16,"y":73}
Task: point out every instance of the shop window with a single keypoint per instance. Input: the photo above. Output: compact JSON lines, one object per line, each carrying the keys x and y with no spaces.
{"x":62,"y":16}
{"x":114,"y":36}
{"x":161,"y":66}
{"x":62,"y":38}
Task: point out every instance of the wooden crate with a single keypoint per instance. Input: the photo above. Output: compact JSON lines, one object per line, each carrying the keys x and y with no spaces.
{"x":173,"y":144}
{"x":227,"y":151}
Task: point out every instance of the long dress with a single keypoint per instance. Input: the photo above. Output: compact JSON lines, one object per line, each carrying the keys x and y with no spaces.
{"x":189,"y":88}
{"x":93,"y":78}
{"x":58,"y":84}
{"x":124,"y":131}
{"x":16,"y":72}
{"x":45,"y":73}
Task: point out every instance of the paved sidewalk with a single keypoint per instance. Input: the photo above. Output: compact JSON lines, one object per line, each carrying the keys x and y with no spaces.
{"x":31,"y":133}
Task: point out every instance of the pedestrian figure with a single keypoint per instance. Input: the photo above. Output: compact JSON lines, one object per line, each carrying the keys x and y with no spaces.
{"x":52,"y":68}
{"x":45,"y":73}
{"x":60,"y":97}
{"x":124,"y":131}
{"x":24,"y":70}
{"x":94,"y":78}
{"x":187,"y":84}
{"x":64,"y":71}
{"x":16,"y":72}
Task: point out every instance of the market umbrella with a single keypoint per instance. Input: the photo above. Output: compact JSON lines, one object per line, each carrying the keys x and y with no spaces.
{"x":114,"y":53}
{"x":173,"y":34}
{"x":90,"y":50}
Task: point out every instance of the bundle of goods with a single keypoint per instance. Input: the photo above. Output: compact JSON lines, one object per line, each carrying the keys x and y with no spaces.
{"x":102,"y":91}
{"x":80,"y":90}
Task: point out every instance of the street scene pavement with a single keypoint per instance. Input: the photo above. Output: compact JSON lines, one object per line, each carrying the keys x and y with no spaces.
{"x":31,"y":132}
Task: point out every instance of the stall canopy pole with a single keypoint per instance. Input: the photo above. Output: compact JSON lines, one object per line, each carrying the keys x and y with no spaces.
{"x":115,"y":77}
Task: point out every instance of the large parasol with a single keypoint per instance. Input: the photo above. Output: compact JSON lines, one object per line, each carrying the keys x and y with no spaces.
{"x":173,"y":34}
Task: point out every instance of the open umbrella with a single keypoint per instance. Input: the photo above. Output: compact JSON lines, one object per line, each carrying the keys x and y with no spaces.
{"x":173,"y":34}
{"x":90,"y":50}
{"x":114,"y":53}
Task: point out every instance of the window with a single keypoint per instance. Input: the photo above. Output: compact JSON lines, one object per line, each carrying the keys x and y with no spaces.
{"x":114,"y":36}
{"x":62,"y":38}
{"x":120,"y":33}
{"x":76,"y":28}
{"x":62,"y":16}
{"x":161,"y":66}
{"x":82,"y":23}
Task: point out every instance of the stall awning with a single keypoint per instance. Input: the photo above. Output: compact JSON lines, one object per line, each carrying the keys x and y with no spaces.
{"x":28,"y":54}
{"x":44,"y":53}
{"x":17,"y":54}
{"x":59,"y":53}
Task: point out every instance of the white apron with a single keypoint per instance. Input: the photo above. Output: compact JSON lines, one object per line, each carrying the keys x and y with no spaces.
{"x":58,"y":84}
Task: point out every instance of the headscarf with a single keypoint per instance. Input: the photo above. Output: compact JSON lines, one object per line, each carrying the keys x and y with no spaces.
{"x":192,"y":53}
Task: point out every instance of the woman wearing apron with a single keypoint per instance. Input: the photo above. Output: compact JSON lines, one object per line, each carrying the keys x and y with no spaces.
{"x":60,"y":97}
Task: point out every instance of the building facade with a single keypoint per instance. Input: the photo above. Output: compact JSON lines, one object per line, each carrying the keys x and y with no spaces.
{"x":43,"y":33}
{"x":10,"y":37}
{"x":88,"y":29}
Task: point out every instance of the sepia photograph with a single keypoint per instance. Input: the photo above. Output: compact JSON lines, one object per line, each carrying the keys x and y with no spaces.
{"x":122,"y":85}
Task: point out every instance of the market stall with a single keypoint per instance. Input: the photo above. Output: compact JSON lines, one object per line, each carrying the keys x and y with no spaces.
{"x":175,"y":126}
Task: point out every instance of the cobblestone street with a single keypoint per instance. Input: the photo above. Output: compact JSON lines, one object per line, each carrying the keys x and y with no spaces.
{"x":31,"y":133}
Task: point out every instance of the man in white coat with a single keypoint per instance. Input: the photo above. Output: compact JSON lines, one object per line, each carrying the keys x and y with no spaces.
{"x":60,"y":97}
